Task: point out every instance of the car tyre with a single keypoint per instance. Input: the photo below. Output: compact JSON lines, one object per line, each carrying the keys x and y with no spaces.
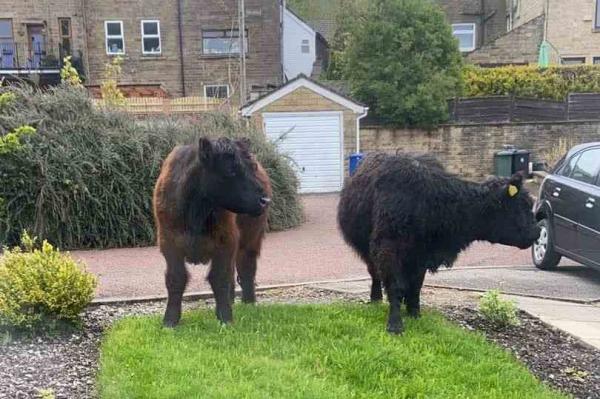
{"x":542,"y":251}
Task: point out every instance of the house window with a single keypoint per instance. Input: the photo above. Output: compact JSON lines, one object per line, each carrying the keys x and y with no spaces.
{"x":465,"y":33}
{"x":597,"y":19}
{"x":64,"y":25}
{"x":151,"y":37}
{"x":115,"y":42}
{"x":572,"y":60}
{"x":305,"y":46}
{"x":596,"y":60}
{"x":222,"y":42}
{"x":216,"y":91}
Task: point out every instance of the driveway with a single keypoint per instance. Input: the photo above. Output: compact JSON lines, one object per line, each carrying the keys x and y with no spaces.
{"x":314,"y":251}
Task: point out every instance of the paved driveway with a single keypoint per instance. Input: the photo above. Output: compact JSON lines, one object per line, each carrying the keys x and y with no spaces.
{"x":313,"y":252}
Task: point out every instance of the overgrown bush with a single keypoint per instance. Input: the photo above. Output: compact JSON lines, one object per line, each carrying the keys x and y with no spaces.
{"x":499,"y":312}
{"x":85,"y":179}
{"x":554,"y":83}
{"x":39,"y":287}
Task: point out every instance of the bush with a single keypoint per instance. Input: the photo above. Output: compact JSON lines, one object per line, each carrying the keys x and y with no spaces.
{"x":553,"y":83}
{"x":85,"y":179}
{"x":39,"y":287}
{"x":402,"y":61}
{"x":499,"y":312}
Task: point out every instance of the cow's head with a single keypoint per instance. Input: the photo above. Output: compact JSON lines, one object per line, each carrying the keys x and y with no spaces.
{"x":230,"y":176}
{"x":509,"y":214}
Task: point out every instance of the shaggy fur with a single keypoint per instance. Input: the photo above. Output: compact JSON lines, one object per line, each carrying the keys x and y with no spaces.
{"x":405,"y":215}
{"x":210,"y":204}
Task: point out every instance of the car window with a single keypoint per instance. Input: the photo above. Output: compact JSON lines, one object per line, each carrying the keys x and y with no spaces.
{"x":587,"y":166}
{"x":568,"y":169}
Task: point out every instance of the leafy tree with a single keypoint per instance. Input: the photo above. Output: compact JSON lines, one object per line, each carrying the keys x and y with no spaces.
{"x":402,"y":60}
{"x":112,"y":96}
{"x":68,"y":73}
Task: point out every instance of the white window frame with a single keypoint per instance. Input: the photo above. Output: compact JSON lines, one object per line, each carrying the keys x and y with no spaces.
{"x":107,"y":37}
{"x":456,"y":31}
{"x":151,"y":36}
{"x":217,"y":85}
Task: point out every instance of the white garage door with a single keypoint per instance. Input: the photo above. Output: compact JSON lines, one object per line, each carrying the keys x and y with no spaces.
{"x":314,"y":143}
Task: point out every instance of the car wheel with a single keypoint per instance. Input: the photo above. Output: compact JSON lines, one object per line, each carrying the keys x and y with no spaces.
{"x":543,"y":253}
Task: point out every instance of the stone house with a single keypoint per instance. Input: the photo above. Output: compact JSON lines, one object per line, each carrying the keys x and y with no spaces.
{"x":179,"y":47}
{"x":571,"y":29}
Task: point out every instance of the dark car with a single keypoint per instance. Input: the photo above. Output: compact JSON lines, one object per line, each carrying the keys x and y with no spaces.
{"x":568,"y":210}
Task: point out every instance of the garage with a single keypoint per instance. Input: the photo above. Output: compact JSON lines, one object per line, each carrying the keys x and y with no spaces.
{"x":315,"y":126}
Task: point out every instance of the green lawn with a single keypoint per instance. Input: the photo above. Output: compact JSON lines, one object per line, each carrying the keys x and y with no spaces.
{"x":317,"y":351}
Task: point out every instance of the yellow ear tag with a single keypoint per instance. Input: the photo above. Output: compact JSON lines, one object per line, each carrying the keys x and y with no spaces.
{"x":513,"y":190}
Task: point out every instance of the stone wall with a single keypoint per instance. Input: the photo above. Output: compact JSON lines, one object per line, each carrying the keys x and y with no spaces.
{"x":519,"y":46}
{"x":468,"y":150}
{"x":264,"y":43}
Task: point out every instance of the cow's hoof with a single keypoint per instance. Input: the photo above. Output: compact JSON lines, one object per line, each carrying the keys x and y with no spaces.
{"x":395,"y":329}
{"x":170,"y":323}
{"x":415,"y":314}
{"x":376,"y":301}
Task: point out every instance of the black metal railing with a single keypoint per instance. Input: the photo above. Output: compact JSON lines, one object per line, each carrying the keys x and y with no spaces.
{"x":18,"y":56}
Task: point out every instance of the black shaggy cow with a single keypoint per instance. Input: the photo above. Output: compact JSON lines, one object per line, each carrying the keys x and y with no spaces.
{"x":405,"y":215}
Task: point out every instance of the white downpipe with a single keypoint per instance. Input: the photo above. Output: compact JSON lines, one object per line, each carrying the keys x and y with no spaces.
{"x":361,"y":116}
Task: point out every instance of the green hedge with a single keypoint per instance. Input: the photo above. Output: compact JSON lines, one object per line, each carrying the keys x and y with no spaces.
{"x":530,"y":81}
{"x":84,"y":179}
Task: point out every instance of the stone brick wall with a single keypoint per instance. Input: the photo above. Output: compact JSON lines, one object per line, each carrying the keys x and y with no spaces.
{"x":477,"y":11}
{"x":519,"y":46}
{"x":528,"y":10}
{"x":137,"y":68}
{"x":571,"y":28}
{"x":468,"y":150}
{"x":264,"y":44}
{"x":46,"y":13}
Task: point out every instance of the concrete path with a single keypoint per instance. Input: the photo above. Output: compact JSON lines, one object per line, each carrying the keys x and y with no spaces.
{"x":314,"y":251}
{"x":581,"y":321}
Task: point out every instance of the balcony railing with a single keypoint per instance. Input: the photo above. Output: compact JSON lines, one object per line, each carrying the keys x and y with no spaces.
{"x":34,"y":57}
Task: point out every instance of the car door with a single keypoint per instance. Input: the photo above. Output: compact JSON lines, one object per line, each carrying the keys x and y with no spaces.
{"x":588,"y":201}
{"x":561,"y":194}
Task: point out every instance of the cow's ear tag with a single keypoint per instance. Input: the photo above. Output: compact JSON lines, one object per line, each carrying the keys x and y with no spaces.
{"x":512,"y":190}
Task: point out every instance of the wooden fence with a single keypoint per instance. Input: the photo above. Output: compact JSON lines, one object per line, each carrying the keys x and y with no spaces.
{"x":577,"y":107}
{"x":160,"y":105}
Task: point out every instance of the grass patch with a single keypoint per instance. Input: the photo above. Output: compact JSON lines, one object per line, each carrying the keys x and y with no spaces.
{"x":312,"y":351}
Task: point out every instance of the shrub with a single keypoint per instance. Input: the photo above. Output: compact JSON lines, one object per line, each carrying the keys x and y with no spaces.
{"x":39,"y":287}
{"x":85,"y":179}
{"x":68,"y":73}
{"x":403,"y":62}
{"x":554,"y":83}
{"x":499,"y":312}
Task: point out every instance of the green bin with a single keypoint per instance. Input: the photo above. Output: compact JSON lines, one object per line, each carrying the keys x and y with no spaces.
{"x":511,"y":161}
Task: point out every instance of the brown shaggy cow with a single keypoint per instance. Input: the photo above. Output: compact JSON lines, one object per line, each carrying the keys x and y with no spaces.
{"x":210,"y":204}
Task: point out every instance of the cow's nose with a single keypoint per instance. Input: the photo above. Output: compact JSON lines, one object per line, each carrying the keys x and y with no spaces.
{"x":265,"y":201}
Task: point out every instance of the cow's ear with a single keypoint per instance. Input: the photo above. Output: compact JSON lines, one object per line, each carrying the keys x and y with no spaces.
{"x":515,"y":185}
{"x":205,"y":149}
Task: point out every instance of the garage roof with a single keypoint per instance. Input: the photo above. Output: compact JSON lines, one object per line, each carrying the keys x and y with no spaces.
{"x":303,"y":81}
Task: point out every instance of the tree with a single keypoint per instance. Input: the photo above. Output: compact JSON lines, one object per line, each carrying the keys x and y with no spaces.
{"x":112,"y":96}
{"x":403,"y":61}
